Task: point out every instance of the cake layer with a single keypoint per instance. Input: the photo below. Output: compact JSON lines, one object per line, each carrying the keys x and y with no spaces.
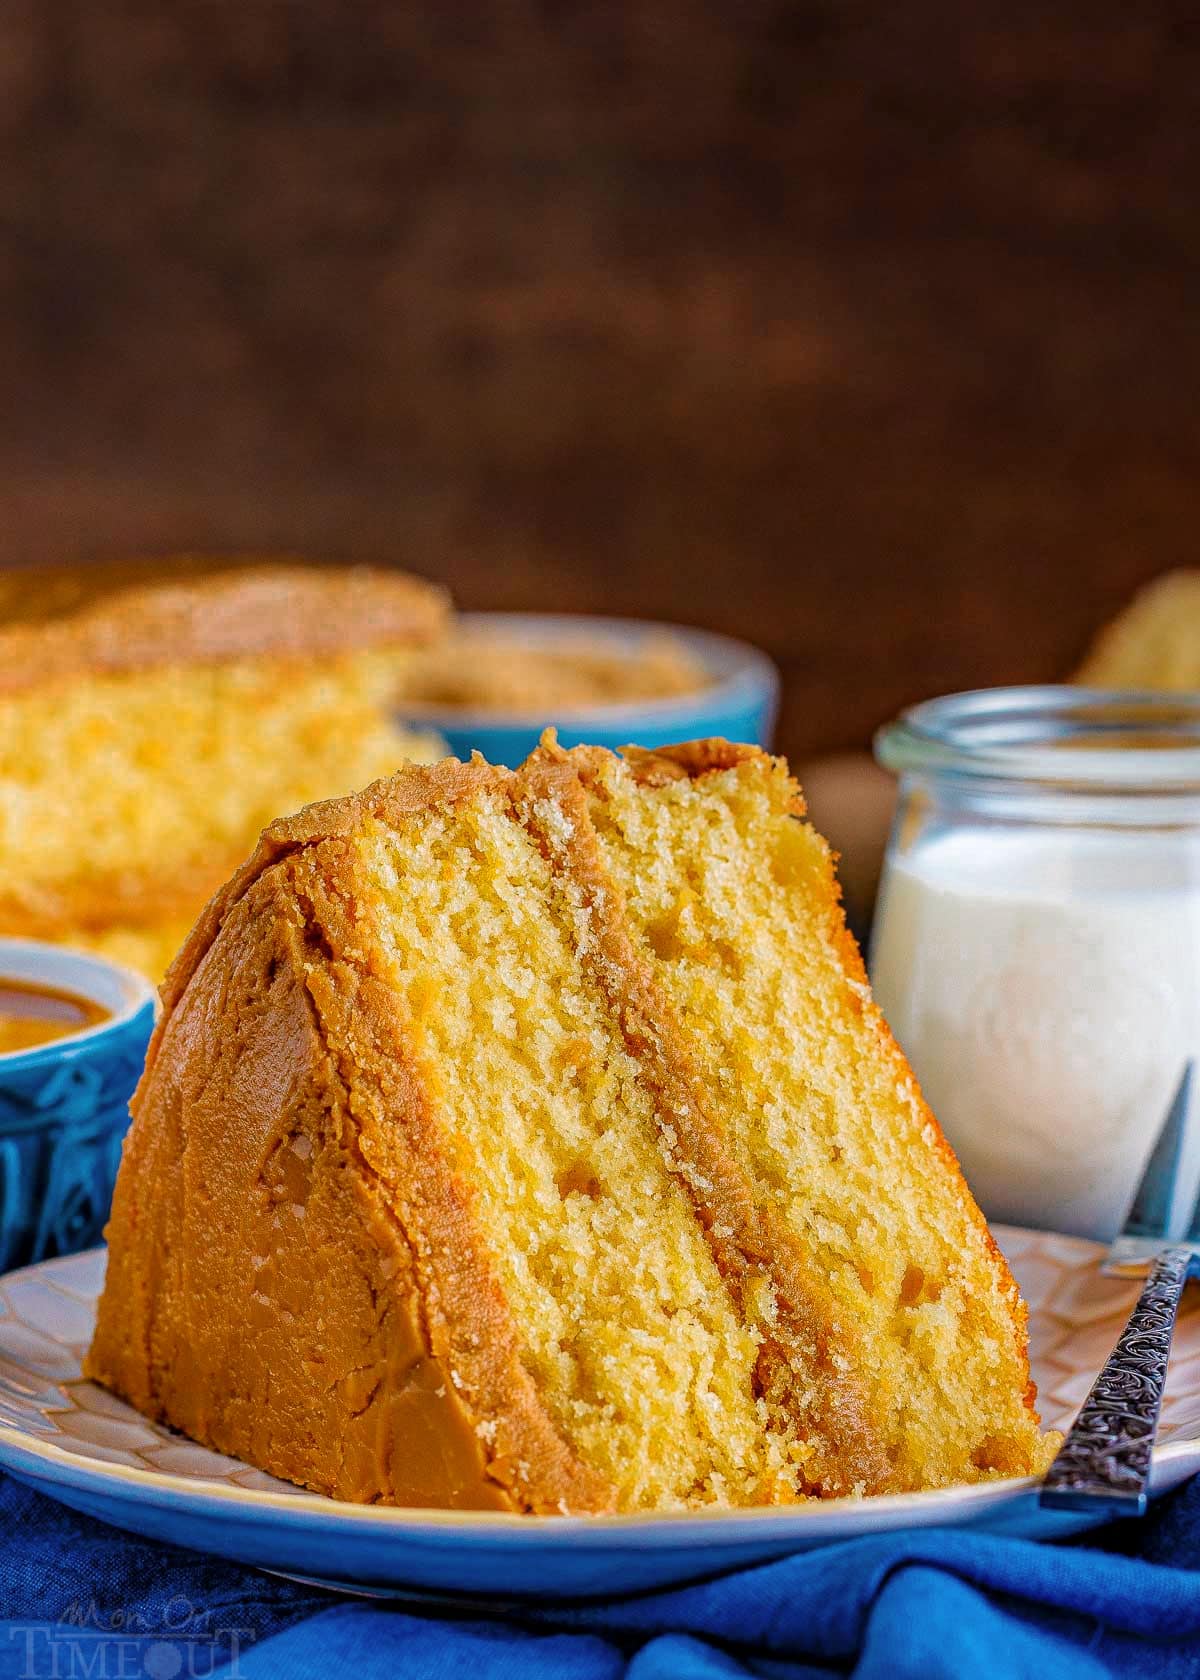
{"x":812,"y":1395}
{"x":636,"y":1202}
{"x":820,"y":1105}
{"x":627,"y":1328}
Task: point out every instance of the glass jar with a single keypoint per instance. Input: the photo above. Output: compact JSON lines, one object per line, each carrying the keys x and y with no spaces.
{"x":1037,"y":945}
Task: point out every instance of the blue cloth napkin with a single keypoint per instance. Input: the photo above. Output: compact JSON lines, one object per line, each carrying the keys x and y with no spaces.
{"x":80,"y":1601}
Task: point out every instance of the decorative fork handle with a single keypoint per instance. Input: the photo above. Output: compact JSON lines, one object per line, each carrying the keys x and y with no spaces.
{"x":1104,"y":1463}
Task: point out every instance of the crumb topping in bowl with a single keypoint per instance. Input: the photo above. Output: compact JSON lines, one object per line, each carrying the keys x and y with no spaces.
{"x":489,"y":670}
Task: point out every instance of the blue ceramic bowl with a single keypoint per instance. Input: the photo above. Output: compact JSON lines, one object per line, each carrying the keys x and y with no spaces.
{"x":740,"y":702}
{"x":64,"y":1106}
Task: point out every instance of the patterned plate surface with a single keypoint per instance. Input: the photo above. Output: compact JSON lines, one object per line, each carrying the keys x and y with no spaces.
{"x":78,"y":1443}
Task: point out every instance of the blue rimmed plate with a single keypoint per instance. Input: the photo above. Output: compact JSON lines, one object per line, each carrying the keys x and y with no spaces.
{"x":76,"y":1442}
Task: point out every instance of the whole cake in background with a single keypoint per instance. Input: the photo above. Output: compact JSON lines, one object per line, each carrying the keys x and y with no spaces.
{"x":1154,"y":643}
{"x":529,"y":1140}
{"x":151,"y":725}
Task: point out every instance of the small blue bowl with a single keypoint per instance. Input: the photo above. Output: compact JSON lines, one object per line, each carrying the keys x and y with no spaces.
{"x":64,"y":1106}
{"x":740,"y":702}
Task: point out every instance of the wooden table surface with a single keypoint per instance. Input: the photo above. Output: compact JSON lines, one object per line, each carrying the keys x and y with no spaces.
{"x":867,"y":332}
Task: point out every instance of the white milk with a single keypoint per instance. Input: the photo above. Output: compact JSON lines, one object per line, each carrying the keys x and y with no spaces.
{"x":1046,"y":988}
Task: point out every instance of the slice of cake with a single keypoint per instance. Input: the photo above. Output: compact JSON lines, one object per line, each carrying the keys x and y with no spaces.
{"x":149,"y":732}
{"x":529,"y":1140}
{"x":1154,"y":642}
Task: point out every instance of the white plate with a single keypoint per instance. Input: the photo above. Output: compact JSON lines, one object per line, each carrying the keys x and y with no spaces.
{"x":74,"y":1441}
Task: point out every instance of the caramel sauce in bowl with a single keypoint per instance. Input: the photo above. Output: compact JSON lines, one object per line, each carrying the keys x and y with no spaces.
{"x":73,"y":1035}
{"x":33,"y":1014}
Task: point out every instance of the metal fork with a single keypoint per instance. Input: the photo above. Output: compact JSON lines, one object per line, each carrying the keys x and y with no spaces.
{"x":1104,"y":1463}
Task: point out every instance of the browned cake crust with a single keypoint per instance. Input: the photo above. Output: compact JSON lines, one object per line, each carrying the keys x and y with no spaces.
{"x":32,"y":594}
{"x":296,"y":1276}
{"x":277,"y":610}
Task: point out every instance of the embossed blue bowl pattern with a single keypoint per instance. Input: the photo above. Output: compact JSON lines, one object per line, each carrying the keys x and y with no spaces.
{"x":64,"y":1110}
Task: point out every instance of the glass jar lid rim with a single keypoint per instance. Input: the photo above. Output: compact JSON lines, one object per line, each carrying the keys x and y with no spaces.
{"x":1123,"y":740}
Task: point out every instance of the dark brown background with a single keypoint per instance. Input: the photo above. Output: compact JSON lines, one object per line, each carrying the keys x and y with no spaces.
{"x":867,"y":331}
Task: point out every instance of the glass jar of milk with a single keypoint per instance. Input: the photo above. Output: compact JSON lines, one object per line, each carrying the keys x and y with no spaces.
{"x":1037,"y":945}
